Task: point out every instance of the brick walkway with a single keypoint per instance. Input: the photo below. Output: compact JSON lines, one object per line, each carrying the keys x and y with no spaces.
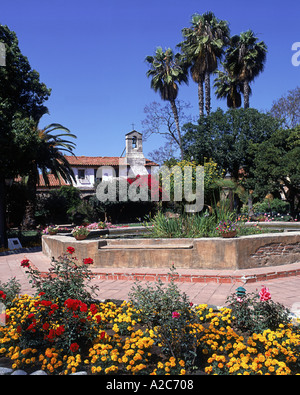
{"x":202,"y":286}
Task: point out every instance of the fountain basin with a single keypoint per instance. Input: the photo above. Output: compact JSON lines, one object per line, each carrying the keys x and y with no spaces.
{"x":204,"y":253}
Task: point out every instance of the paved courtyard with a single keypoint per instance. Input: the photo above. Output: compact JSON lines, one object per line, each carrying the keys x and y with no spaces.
{"x":285,"y":290}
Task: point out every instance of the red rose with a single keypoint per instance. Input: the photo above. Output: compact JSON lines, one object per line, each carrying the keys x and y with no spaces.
{"x":88,"y":261}
{"x":93,"y":309}
{"x":71,"y":250}
{"x":74,"y":347}
{"x":60,"y":330}
{"x":46,"y":326}
{"x":2,"y":295}
{"x":25,"y":263}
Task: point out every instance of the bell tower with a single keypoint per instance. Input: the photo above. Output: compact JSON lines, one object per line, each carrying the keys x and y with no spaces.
{"x":134,"y":153}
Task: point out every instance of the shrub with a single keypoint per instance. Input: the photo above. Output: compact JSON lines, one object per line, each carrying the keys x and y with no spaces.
{"x":65,"y":279}
{"x":10,"y":289}
{"x":257,"y":312}
{"x":167,"y":311}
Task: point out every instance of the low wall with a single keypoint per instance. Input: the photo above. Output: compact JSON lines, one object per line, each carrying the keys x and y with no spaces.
{"x":210,"y":253}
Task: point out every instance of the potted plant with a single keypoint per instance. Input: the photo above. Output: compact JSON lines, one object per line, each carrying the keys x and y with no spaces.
{"x":51,"y":230}
{"x":80,"y":232}
{"x":227,"y":229}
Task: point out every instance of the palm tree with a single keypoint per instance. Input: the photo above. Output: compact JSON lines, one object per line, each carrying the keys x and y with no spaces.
{"x":49,"y":158}
{"x":167,"y":72}
{"x":203,"y":47}
{"x":228,"y":87}
{"x":245,"y":58}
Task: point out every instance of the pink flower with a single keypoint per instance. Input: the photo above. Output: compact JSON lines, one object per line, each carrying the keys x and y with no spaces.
{"x":264,"y":294}
{"x":175,"y":314}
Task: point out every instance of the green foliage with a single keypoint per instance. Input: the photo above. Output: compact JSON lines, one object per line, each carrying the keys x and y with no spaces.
{"x":11,"y":289}
{"x":276,"y":167}
{"x":227,"y":138}
{"x":65,"y":279}
{"x":58,"y":206}
{"x":197,"y":225}
{"x":270,"y":206}
{"x":168,"y":312}
{"x":255,"y":315}
{"x":21,"y":104}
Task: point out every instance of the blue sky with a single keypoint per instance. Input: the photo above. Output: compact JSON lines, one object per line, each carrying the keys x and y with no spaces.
{"x":91,"y":53}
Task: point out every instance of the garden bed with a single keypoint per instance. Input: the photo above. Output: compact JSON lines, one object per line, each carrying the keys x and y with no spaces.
{"x":62,"y":330}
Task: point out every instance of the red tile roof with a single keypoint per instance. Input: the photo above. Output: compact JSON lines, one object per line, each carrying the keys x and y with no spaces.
{"x":53,"y":181}
{"x":93,"y":161}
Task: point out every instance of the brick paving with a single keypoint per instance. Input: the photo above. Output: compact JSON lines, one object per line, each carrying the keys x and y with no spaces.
{"x":201,"y":286}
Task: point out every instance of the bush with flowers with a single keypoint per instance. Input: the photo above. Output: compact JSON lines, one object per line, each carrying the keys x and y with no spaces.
{"x":66,"y":278}
{"x":80,"y":231}
{"x":64,"y":335}
{"x":257,"y":312}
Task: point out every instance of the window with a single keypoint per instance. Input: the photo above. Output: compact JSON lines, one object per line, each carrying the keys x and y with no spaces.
{"x":81,"y":173}
{"x":134,"y":142}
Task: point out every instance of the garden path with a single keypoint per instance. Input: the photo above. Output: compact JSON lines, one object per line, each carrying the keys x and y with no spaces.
{"x":214,"y":291}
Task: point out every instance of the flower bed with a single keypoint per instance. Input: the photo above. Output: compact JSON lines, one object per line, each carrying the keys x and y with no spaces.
{"x":158,"y":332}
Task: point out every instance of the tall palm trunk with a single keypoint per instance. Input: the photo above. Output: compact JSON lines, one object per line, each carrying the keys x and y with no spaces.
{"x":207,"y":92}
{"x":201,"y":98}
{"x":246,"y":94}
{"x":175,"y":112}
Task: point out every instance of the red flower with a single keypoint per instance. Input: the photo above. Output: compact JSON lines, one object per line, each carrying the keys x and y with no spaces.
{"x":46,"y":303}
{"x":83,"y":308}
{"x":88,"y":261}
{"x":93,"y":309}
{"x":2,"y":295}
{"x":71,"y":250}
{"x":74,"y":347}
{"x":60,"y":330}
{"x":46,"y":326}
{"x":25,"y":263}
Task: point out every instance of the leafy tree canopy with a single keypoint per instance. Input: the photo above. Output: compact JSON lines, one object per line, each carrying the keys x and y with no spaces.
{"x":226,"y":137}
{"x":21,"y":105}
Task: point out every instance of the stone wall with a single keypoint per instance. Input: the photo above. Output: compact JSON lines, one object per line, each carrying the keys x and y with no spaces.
{"x":205,"y":253}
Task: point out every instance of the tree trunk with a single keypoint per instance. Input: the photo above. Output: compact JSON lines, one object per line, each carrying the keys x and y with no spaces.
{"x":201,"y":99}
{"x":3,"y":233}
{"x":246,"y":94}
{"x":28,"y":219}
{"x":207,"y":92}
{"x":175,"y":112}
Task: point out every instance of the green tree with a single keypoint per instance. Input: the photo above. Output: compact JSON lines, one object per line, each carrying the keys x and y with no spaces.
{"x":167,"y":71}
{"x":276,"y":167}
{"x":22,"y":96}
{"x":226,"y":137}
{"x":203,"y":47}
{"x":245,"y":58}
{"x":48,"y":157}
